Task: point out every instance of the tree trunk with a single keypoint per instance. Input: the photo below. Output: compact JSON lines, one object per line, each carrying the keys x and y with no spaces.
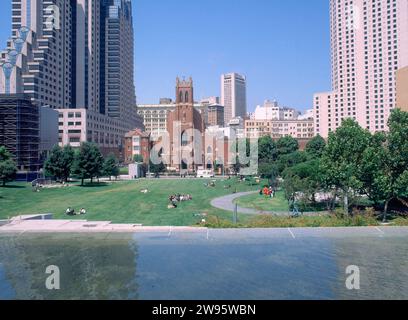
{"x":386,"y":210}
{"x":82,"y":182}
{"x":332,"y":202}
{"x":346,"y":203}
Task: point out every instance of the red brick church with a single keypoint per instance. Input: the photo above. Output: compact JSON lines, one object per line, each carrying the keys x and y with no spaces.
{"x":187,"y":147}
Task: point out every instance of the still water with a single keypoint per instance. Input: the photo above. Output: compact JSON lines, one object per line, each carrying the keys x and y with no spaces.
{"x":220,"y":264}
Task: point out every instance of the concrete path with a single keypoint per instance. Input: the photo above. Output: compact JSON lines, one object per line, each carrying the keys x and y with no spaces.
{"x":37,"y":223}
{"x":227,"y":203}
{"x":156,"y":234}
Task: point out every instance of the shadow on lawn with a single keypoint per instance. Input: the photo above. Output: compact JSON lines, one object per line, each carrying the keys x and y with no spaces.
{"x":12,"y":187}
{"x":94,"y":185}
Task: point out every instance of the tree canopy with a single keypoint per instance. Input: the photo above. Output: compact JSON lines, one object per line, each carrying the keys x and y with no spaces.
{"x":315,"y":147}
{"x":88,"y":162}
{"x":59,"y":163}
{"x":111,"y":166}
{"x":8,"y":168}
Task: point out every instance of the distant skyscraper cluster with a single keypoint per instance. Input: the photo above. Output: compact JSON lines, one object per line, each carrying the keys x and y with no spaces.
{"x":75,"y":56}
{"x":369,"y":43}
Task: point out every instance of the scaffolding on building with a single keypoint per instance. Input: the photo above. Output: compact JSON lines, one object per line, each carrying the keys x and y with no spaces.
{"x":19,"y":130}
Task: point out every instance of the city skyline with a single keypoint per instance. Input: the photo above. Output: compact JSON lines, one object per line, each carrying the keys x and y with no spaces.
{"x":218,"y":50}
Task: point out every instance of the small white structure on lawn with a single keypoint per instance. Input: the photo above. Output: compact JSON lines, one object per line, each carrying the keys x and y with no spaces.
{"x":136,"y":171}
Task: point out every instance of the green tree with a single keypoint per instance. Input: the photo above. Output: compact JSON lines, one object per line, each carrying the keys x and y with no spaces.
{"x":59,"y":163}
{"x":138,"y":158}
{"x":315,"y":147}
{"x":342,"y":159}
{"x":287,"y":145}
{"x":4,"y":154}
{"x":290,"y":160}
{"x":267,"y":150}
{"x":308,"y":176}
{"x":111,"y":166}
{"x":8,"y":168}
{"x":292,"y":185}
{"x":268,"y":171}
{"x":88,"y":162}
{"x":157,"y":168}
{"x":386,"y":163}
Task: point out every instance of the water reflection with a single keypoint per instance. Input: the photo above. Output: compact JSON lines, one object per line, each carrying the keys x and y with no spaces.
{"x":92,"y":267}
{"x":233,"y":265}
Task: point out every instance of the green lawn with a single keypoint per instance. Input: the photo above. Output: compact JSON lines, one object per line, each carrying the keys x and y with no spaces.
{"x":263,"y":203}
{"x":124,"y":171}
{"x":121,"y":202}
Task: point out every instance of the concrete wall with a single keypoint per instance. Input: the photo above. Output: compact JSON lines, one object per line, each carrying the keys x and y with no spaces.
{"x":402,"y":89}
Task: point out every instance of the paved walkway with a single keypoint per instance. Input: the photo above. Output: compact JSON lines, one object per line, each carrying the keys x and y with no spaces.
{"x":156,"y":234}
{"x":83,"y":226}
{"x":227,"y":203}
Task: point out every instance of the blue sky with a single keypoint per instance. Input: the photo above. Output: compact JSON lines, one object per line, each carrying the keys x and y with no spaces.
{"x":282,"y":46}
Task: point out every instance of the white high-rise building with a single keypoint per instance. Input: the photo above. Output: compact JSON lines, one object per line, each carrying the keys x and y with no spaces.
{"x":369,"y":43}
{"x":272,"y":111}
{"x":75,"y":56}
{"x":233,"y":96}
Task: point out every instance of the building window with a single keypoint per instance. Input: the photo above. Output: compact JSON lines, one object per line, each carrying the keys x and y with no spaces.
{"x":184,"y":139}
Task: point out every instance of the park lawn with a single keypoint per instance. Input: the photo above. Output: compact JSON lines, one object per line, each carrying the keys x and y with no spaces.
{"x":121,"y":202}
{"x":263,"y":203}
{"x":124,"y":171}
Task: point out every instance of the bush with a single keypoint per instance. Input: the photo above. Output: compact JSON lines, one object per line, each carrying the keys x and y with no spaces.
{"x":339,"y":213}
{"x":370,"y":212}
{"x":323,"y":221}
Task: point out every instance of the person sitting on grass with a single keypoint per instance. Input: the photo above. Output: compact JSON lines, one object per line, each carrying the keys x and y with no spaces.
{"x":70,"y":212}
{"x":266,"y":191}
{"x":173,"y":204}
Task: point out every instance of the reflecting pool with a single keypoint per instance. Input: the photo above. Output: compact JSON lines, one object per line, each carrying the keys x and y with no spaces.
{"x":214,"y":264}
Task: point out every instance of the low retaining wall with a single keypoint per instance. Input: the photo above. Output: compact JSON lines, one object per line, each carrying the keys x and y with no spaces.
{"x":46,"y":216}
{"x":4,"y":222}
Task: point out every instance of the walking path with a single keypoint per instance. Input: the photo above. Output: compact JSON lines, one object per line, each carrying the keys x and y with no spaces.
{"x":25,"y":224}
{"x":24,"y":227}
{"x":227,"y":203}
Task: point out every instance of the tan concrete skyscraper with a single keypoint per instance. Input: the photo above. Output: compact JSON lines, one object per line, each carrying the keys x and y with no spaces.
{"x":233,"y":96}
{"x":369,"y":43}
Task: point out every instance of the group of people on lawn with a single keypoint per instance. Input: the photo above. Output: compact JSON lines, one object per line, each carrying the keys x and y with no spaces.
{"x":174,"y":199}
{"x":267,"y":192}
{"x":71,"y":212}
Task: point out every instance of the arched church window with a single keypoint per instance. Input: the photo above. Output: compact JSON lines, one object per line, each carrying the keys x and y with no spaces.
{"x":184,"y":139}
